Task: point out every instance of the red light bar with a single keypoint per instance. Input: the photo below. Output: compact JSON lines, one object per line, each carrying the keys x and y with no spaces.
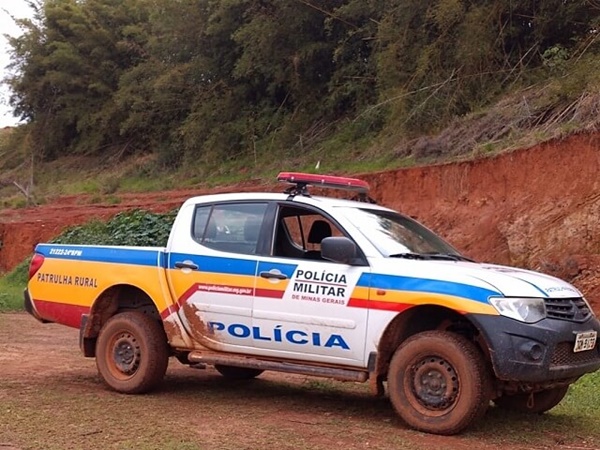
{"x":324,"y":181}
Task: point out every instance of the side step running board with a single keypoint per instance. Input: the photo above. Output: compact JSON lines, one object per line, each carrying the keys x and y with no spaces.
{"x":289,"y":367}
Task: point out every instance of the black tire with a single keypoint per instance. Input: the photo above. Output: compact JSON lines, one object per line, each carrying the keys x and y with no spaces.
{"x":132,"y":353}
{"x":238,"y":373}
{"x":538,"y":403}
{"x":439,"y":382}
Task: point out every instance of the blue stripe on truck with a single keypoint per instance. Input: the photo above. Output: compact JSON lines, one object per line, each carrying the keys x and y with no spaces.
{"x":216,"y":264}
{"x":399,"y":283}
{"x":122,"y":255}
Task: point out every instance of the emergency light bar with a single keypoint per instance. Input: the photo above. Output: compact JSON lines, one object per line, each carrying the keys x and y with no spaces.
{"x":301,"y":180}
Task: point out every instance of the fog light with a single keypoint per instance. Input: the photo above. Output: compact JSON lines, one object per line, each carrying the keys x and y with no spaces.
{"x":532,"y":350}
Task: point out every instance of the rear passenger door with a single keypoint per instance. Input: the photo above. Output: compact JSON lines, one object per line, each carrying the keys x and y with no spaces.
{"x":212,"y":270}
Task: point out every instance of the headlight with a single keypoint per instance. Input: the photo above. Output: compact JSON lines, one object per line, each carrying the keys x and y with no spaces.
{"x":528,"y":310}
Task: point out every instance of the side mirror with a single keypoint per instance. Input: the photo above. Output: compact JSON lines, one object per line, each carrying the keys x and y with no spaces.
{"x":338,"y":249}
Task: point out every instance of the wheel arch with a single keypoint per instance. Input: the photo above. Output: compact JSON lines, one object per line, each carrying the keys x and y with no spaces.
{"x":416,"y":320}
{"x":117,"y":298}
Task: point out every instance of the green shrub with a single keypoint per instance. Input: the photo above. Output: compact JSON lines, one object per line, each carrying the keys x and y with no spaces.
{"x":137,"y":227}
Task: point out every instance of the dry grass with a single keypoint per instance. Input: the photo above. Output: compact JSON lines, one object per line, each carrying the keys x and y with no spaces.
{"x":524,"y":119}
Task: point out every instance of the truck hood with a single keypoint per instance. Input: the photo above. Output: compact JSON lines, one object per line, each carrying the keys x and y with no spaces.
{"x":510,"y":281}
{"x":506,"y":281}
{"x":513,"y":282}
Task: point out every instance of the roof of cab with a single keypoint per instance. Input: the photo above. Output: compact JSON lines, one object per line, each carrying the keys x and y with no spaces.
{"x":320,"y":201}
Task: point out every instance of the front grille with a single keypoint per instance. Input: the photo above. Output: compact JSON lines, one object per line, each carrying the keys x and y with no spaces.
{"x":563,"y":355}
{"x":574,"y":309}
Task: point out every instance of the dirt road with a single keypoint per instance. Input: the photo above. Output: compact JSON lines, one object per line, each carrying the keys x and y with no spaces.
{"x":52,"y":398}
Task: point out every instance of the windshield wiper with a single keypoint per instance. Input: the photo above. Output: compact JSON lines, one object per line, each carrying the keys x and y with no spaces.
{"x":408,"y":256}
{"x":431,"y":256}
{"x":448,"y":257}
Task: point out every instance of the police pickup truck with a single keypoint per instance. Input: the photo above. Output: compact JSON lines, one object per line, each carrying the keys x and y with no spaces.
{"x":324,"y":287}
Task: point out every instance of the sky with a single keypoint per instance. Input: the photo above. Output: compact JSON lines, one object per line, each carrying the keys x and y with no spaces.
{"x":18,"y":9}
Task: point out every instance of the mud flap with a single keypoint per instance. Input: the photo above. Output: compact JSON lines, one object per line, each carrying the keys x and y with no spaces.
{"x":86,"y":345}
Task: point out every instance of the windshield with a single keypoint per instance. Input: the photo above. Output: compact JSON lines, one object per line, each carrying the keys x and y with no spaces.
{"x":395,"y":235}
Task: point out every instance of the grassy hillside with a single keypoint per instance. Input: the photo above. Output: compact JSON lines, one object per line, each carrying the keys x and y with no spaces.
{"x":554,"y":108}
{"x":138,"y":95}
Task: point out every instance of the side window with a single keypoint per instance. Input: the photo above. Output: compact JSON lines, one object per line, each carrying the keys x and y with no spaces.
{"x":300,"y":231}
{"x":230,"y":227}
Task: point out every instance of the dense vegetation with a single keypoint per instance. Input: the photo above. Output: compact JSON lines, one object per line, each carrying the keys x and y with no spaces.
{"x":200,"y":81}
{"x":137,"y":227}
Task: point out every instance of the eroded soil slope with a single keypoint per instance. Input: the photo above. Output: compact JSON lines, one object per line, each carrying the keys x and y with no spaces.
{"x":537,"y":208}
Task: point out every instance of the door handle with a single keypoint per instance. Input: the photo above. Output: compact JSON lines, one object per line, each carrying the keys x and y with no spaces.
{"x":273,"y":275}
{"x":186,"y":265}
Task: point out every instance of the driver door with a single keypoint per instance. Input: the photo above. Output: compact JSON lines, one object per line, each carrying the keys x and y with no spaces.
{"x":301,"y":306}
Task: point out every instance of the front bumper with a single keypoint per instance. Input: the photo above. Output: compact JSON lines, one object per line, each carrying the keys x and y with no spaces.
{"x":537,"y":353}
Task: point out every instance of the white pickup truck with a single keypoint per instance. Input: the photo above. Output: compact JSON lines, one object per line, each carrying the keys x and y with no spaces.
{"x":323,"y":287}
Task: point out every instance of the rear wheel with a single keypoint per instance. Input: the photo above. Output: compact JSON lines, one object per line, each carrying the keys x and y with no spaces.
{"x":132,"y":352}
{"x":238,"y":373}
{"x":537,"y":402}
{"x":438,"y":382}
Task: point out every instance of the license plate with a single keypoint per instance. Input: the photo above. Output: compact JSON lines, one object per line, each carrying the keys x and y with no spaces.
{"x":585,"y":341}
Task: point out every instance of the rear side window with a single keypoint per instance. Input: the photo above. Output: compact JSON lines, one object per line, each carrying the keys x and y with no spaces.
{"x":231,"y":227}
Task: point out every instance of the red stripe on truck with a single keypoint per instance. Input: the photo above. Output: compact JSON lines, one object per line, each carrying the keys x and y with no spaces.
{"x":63,"y":313}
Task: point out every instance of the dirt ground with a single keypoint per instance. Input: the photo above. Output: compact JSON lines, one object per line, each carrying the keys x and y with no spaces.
{"x":537,"y":208}
{"x":52,"y":398}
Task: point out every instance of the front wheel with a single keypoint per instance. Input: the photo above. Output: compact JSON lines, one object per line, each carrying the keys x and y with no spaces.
{"x":438,"y":382}
{"x":536,"y":402}
{"x":132,"y":352}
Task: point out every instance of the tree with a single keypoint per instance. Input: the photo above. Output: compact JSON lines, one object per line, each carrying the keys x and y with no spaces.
{"x":69,"y":63}
{"x":198,"y":80}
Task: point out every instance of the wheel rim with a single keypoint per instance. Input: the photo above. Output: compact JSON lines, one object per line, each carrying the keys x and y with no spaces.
{"x":434,"y":385}
{"x":125,"y":355}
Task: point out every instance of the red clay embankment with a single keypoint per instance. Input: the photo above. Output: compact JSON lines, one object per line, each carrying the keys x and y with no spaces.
{"x":537,"y":208}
